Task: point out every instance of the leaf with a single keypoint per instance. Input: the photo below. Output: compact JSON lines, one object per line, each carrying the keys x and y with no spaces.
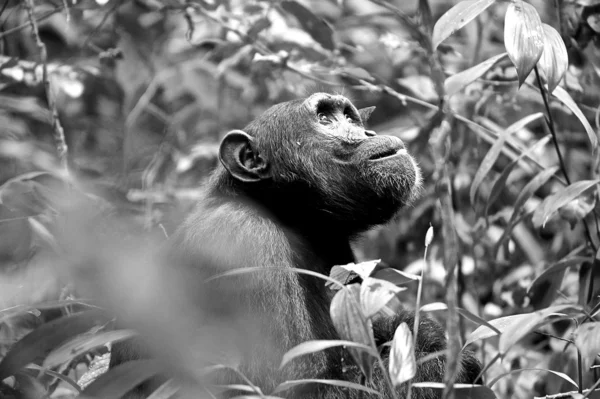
{"x":515,"y":331}
{"x":587,"y":339}
{"x":556,"y":373}
{"x":555,"y":59}
{"x":433,"y":307}
{"x":461,"y":391}
{"x":165,"y":391}
{"x":559,"y":199}
{"x":119,"y":380}
{"x":394,"y":276}
{"x":363,"y":269}
{"x":566,"y":99}
{"x":577,"y":209}
{"x":39,"y":342}
{"x":309,"y":347}
{"x":338,"y":383}
{"x":457,"y":17}
{"x":83,"y":343}
{"x":352,"y":325}
{"x":500,"y":324}
{"x":530,"y":188}
{"x":500,"y":182}
{"x":459,"y":81}
{"x":494,"y":151}
{"x":403,"y":365}
{"x":523,"y":37}
{"x":375,"y":295}
{"x":544,"y":289}
{"x":316,"y":27}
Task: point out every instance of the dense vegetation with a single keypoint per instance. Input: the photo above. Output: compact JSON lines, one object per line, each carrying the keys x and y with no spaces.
{"x":110,"y":116}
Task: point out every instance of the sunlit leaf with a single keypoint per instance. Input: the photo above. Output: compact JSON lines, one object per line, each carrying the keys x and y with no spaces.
{"x":338,"y":383}
{"x":459,"y":81}
{"x":566,"y":99}
{"x":587,"y":339}
{"x":309,"y":347}
{"x":523,"y":37}
{"x":352,"y":325}
{"x":375,"y":294}
{"x":577,"y":209}
{"x":461,"y":391}
{"x":363,"y":269}
{"x":555,"y":59}
{"x":457,"y":17}
{"x":500,"y":324}
{"x":403,"y":365}
{"x":559,"y":199}
{"x":493,"y":153}
{"x":556,"y":373}
{"x":516,"y":330}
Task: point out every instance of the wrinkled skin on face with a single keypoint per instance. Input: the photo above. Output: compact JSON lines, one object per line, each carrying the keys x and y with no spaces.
{"x":316,"y":157}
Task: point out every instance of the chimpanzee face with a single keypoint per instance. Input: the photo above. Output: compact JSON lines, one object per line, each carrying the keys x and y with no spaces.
{"x":317,"y":154}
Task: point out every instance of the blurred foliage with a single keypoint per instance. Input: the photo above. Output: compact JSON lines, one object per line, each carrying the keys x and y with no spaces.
{"x":142,"y":90}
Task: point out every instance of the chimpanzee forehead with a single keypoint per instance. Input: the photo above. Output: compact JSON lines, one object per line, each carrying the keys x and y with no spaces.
{"x":313,"y":101}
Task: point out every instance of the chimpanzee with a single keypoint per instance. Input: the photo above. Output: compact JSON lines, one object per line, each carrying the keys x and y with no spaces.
{"x":296,"y":186}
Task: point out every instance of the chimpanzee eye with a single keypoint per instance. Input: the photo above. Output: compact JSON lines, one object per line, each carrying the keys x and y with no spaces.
{"x":323,"y":118}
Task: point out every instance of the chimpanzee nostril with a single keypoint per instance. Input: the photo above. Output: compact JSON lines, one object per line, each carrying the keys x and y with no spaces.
{"x":370,"y":133}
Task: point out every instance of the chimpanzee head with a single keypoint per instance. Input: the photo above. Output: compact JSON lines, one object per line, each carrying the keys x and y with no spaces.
{"x":313,"y":159}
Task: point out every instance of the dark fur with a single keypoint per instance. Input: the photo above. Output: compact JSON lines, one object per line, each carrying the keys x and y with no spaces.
{"x":315,"y":191}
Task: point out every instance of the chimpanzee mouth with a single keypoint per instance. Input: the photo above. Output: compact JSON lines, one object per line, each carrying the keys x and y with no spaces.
{"x":388,"y":154}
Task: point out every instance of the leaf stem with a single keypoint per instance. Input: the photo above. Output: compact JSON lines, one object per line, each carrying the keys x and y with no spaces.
{"x":550,"y":123}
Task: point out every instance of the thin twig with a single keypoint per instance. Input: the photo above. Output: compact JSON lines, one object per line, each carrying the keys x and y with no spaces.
{"x":59,"y":133}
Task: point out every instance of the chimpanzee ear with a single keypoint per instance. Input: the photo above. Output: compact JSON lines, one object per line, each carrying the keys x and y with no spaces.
{"x":365,"y":113}
{"x":239,"y":155}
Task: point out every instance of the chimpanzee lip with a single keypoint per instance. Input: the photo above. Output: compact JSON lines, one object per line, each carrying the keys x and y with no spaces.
{"x":388,"y":154}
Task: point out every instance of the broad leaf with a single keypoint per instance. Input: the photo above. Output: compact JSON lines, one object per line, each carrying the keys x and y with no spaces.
{"x":309,"y":347}
{"x":559,"y":199}
{"x":544,"y":289}
{"x":338,"y":383}
{"x":555,"y":60}
{"x":459,"y":81}
{"x":500,"y":324}
{"x":523,"y":37}
{"x":352,"y":325}
{"x":375,"y":295}
{"x":457,"y":17}
{"x":403,"y":365}
{"x":313,"y":25}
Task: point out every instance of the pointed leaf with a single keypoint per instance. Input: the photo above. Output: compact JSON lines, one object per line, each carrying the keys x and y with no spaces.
{"x":363,"y":269}
{"x":308,"y":347}
{"x":457,"y":17}
{"x":39,"y":342}
{"x":375,"y":294}
{"x":555,"y":59}
{"x":494,"y":151}
{"x":556,"y":373}
{"x":459,"y":81}
{"x":337,"y":383}
{"x":119,"y":380}
{"x":587,"y":339}
{"x":313,"y":25}
{"x":523,"y":37}
{"x":403,"y":365}
{"x":566,"y":99}
{"x":394,"y":276}
{"x":559,"y":199}
{"x":352,"y":325}
{"x":82,"y":344}
{"x":500,"y":324}
{"x":461,"y":391}
{"x":515,"y":331}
